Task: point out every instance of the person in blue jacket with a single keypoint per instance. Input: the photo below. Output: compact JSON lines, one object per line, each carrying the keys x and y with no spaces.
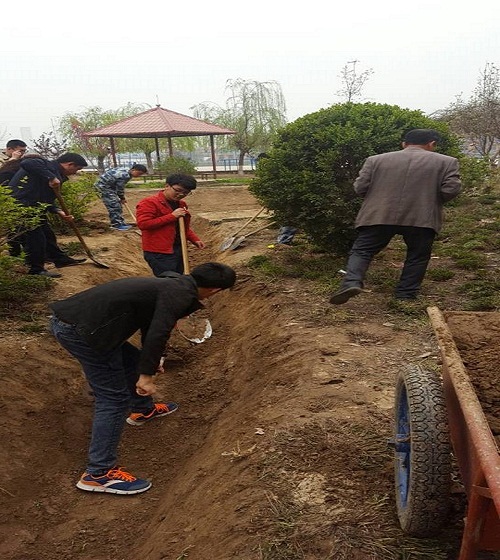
{"x":111,"y":187}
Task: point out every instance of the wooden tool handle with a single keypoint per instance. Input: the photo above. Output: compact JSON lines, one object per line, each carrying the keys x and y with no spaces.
{"x":182,"y":232}
{"x":250,"y":220}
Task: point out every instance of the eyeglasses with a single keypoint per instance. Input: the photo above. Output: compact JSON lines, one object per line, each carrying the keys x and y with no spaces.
{"x":179,"y":192}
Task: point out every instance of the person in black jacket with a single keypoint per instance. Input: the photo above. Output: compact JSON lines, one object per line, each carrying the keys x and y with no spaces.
{"x":33,"y":185}
{"x":95,"y":325}
{"x":7,"y":171}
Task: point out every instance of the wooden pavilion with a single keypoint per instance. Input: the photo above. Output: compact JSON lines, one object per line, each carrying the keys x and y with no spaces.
{"x":160,"y":123}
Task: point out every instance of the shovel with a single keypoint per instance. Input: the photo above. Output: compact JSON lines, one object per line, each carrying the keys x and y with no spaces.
{"x":230,"y":240}
{"x":129,"y":210}
{"x":77,"y":232}
{"x":193,"y":328}
{"x":132,"y":215}
{"x":239,"y":240}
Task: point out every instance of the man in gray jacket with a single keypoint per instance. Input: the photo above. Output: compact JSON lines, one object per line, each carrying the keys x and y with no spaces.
{"x":403,"y":193}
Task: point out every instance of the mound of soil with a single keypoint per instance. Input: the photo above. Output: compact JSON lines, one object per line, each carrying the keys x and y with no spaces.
{"x":278,"y":449}
{"x":477,"y":336}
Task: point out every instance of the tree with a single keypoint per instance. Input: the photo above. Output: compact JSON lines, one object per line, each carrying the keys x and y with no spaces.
{"x":307,"y":180}
{"x":353,"y":82}
{"x":48,"y":146}
{"x":255,"y":110}
{"x":477,"y":120}
{"x":97,"y":150}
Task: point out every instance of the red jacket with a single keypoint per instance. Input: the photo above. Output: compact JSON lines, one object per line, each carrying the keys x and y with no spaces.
{"x":159,"y":225}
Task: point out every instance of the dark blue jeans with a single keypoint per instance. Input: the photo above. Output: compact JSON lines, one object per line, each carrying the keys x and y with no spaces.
{"x":163,"y":262}
{"x":112,"y":378}
{"x":372,"y":239}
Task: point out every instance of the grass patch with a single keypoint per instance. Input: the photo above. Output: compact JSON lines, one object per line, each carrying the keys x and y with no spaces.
{"x":19,"y":290}
{"x":440,"y":274}
{"x":364,"y":524}
{"x":302,"y":262}
{"x":72,"y":248}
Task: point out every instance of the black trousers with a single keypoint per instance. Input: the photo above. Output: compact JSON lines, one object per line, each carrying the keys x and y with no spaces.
{"x":40,"y":245}
{"x":372,"y":239}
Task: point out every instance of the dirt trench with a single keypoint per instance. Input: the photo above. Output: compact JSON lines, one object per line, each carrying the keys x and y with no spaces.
{"x":205,"y":461}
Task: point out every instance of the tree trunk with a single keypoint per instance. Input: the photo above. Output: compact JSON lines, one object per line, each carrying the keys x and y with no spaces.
{"x":149,"y":162}
{"x":241,"y":159}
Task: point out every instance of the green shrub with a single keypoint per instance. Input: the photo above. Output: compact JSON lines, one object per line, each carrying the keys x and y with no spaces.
{"x":175,"y":165}
{"x":307,"y":180}
{"x":15,"y":218}
{"x":475,"y":174}
{"x":78,"y":194}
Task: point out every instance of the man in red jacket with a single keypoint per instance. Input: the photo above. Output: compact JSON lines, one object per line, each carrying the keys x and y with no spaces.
{"x":158,"y":219}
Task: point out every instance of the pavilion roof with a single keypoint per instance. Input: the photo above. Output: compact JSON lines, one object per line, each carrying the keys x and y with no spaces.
{"x":159,"y":123}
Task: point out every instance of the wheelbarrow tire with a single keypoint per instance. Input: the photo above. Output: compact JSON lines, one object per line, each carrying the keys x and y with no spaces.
{"x":422,"y":452}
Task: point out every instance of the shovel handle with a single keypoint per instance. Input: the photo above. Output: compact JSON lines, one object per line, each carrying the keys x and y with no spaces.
{"x":259,"y":229}
{"x":72,"y":224}
{"x":249,"y":221}
{"x":182,"y":232}
{"x":129,"y":210}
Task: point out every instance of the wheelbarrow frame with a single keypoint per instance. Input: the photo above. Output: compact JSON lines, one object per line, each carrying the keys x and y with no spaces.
{"x":474,"y":446}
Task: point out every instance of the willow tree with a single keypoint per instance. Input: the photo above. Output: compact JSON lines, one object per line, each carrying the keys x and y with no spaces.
{"x":255,"y":110}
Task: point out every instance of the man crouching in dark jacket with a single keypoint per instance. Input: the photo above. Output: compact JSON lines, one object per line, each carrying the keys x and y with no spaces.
{"x":95,"y":325}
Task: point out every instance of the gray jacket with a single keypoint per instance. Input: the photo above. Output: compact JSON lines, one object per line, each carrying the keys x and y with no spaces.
{"x":406,"y":188}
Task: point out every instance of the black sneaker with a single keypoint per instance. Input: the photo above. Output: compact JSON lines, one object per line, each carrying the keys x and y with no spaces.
{"x":69,"y":262}
{"x":47,"y":274}
{"x":115,"y":481}
{"x":342,"y":296}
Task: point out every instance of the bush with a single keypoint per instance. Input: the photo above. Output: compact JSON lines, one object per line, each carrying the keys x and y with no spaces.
{"x":476,"y":174}
{"x":15,"y":218}
{"x":175,"y":165}
{"x":307,"y":180}
{"x":78,"y":194}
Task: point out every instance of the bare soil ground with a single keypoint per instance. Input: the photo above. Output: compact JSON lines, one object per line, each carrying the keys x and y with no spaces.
{"x":279,"y":447}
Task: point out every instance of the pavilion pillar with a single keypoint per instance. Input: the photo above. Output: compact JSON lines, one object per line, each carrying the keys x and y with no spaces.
{"x":157,"y":146}
{"x":214,"y":160}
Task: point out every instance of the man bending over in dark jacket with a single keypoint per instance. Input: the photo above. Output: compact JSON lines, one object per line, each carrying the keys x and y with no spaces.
{"x":95,"y":325}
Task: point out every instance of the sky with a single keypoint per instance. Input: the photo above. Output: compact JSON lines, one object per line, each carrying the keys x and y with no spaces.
{"x":64,"y":57}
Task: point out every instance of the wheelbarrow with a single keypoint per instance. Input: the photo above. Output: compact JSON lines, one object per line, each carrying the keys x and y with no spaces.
{"x":435,"y":414}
